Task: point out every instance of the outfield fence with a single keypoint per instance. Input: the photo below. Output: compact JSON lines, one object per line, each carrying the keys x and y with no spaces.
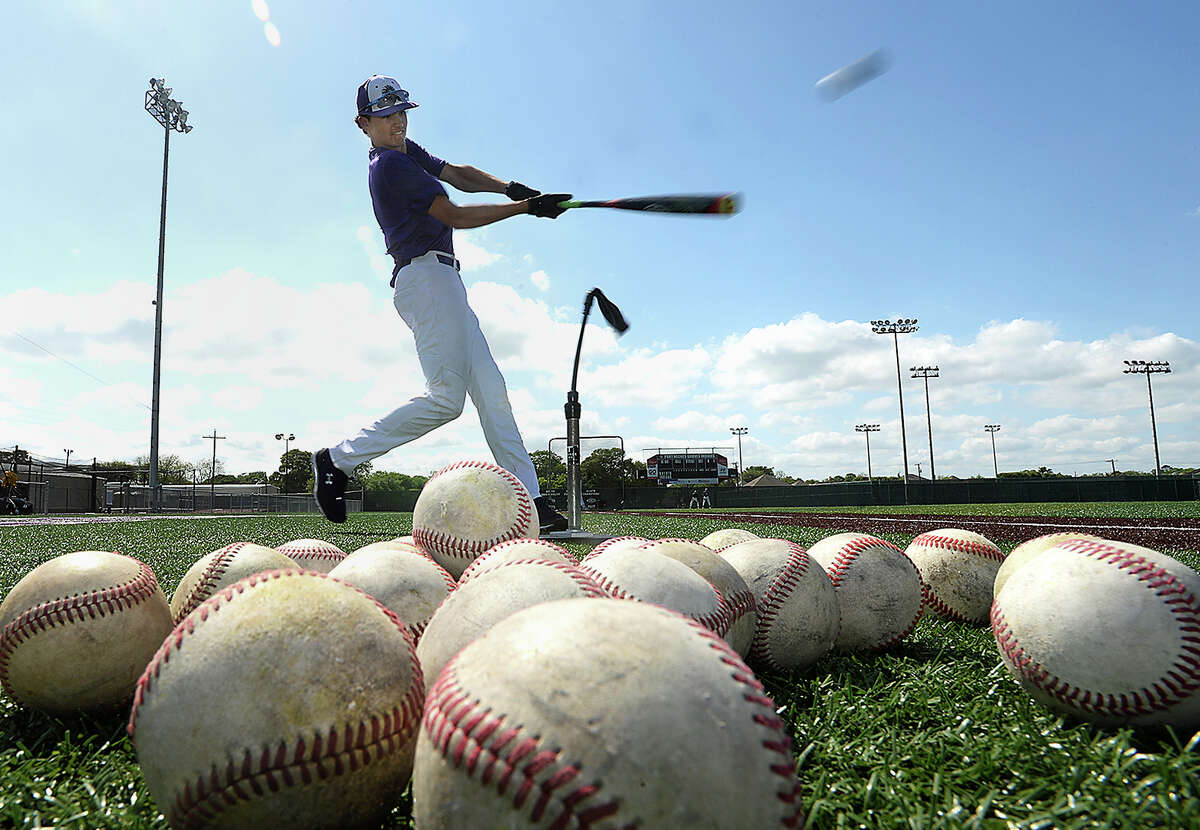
{"x":953,"y":491}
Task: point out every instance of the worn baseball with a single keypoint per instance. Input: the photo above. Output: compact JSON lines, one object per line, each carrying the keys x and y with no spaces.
{"x":391,"y":544}
{"x":798,"y":613}
{"x":406,"y":582}
{"x":515,"y":549}
{"x":739,"y":599}
{"x":222,"y":568}
{"x":602,"y":714}
{"x":313,"y":554}
{"x":646,"y":576}
{"x":959,"y":569}
{"x":77,"y":631}
{"x":1029,"y":550}
{"x":466,"y":508}
{"x":477,"y":605}
{"x":719,"y":539}
{"x":1104,"y":631}
{"x":289,"y":699}
{"x":879,"y":589}
{"x":618,"y":542}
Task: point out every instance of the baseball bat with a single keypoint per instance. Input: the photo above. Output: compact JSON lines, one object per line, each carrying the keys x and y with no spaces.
{"x":711,"y":203}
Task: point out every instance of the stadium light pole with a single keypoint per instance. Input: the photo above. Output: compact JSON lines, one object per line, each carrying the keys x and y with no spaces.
{"x":992,"y":429}
{"x":68,"y":464}
{"x":927,"y":372}
{"x":901,"y":326}
{"x":868,"y":429}
{"x":171,"y":115}
{"x":739,"y":432}
{"x":285,"y":437}
{"x":1148,"y":368}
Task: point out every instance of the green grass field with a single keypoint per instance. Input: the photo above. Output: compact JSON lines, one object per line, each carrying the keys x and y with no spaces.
{"x":932,"y":734}
{"x":1117,"y":509}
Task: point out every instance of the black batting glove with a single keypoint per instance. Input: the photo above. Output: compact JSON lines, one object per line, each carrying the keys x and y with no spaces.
{"x":519,"y":192}
{"x":546,"y":205}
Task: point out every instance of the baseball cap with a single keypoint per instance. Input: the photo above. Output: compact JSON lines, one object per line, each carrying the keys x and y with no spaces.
{"x":380,"y":95}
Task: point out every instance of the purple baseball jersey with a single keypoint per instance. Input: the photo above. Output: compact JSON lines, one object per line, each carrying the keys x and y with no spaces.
{"x":403,"y":186}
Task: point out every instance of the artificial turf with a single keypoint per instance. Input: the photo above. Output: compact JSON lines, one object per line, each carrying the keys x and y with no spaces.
{"x":934,"y":733}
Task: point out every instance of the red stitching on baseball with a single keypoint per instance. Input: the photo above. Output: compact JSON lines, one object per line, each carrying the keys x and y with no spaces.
{"x":608,"y":543}
{"x":475,"y":566}
{"x":943,"y":610}
{"x":780,"y":589}
{"x":334,"y":753}
{"x":434,"y":540}
{"x":207,"y":583}
{"x":850,"y":552}
{"x":64,"y":610}
{"x":718,"y":621}
{"x":988,"y":551}
{"x":1180,"y":682}
{"x":461,"y":727}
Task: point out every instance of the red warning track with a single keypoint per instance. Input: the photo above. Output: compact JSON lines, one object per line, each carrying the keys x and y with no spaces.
{"x":1172,"y":534}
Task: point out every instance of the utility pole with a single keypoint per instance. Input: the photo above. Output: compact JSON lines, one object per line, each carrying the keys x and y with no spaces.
{"x":285,"y":437}
{"x":739,"y":432}
{"x":1113,"y":462}
{"x":992,"y":429}
{"x":927,"y":372}
{"x":868,"y":429}
{"x":68,"y":464}
{"x":212,"y":480}
{"x":902,"y":326}
{"x":172,"y":116}
{"x":1148,"y":368}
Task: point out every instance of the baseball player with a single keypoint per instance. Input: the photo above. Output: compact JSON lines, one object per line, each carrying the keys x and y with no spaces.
{"x":418,"y":220}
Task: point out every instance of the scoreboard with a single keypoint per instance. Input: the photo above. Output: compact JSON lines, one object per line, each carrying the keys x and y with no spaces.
{"x":687,"y":468}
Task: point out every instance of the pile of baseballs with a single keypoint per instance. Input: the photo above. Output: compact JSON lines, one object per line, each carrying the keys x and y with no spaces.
{"x":517,"y":686}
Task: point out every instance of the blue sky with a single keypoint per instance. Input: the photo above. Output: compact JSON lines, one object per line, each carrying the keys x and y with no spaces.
{"x":1023,"y":180}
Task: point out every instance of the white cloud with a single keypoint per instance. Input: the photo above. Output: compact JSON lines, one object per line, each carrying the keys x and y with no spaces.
{"x":540,"y":279}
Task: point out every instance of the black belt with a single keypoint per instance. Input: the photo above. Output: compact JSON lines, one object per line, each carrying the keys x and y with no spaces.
{"x":445,"y":259}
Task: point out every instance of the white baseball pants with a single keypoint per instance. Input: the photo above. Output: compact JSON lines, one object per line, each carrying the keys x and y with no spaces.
{"x":457,"y":362}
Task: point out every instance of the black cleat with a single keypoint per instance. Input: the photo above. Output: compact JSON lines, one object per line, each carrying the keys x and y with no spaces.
{"x":549,"y":518}
{"x":329,"y":487}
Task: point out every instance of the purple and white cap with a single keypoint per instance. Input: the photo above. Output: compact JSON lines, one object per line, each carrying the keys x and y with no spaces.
{"x":380,"y":95}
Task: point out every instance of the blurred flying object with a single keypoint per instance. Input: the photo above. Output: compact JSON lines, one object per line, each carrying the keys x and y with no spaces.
{"x":853,"y":75}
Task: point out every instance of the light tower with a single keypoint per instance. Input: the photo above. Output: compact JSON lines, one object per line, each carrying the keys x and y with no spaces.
{"x":902,"y":326}
{"x":172,"y":116}
{"x":992,"y":428}
{"x":739,"y":432}
{"x":868,"y":429}
{"x":1148,"y":368}
{"x":927,"y":372}
{"x":286,"y":438}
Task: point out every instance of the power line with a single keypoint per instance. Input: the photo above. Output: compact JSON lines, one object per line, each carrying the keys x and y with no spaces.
{"x":80,"y":369}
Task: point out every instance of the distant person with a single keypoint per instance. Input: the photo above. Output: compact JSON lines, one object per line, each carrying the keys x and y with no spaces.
{"x":705,"y":500}
{"x":695,"y":502}
{"x":418,"y":219}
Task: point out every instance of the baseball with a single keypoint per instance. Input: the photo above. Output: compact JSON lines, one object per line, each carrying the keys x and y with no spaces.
{"x":313,"y":554}
{"x":1029,"y":550}
{"x":490,"y":597}
{"x":959,"y":569}
{"x":719,"y":539}
{"x":466,"y":508}
{"x":515,"y":549}
{"x":222,"y":568}
{"x":288,"y":699}
{"x":630,"y":542}
{"x":1104,"y":631}
{"x":798,"y":614}
{"x":407,"y":583}
{"x":602,"y":713}
{"x":739,"y":599}
{"x":646,"y":576}
{"x":77,"y":631}
{"x":878,"y":588}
